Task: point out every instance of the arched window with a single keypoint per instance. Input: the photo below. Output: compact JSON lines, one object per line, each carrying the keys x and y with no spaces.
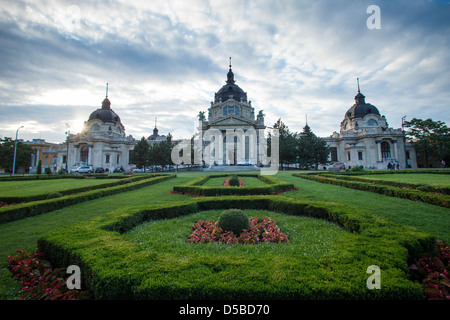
{"x":385,"y":150}
{"x":84,"y":153}
{"x":372,"y":123}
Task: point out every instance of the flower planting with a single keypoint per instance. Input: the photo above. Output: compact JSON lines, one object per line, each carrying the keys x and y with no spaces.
{"x":39,"y":280}
{"x":433,"y":271}
{"x":263,"y":230}
{"x":234,"y":182}
{"x":196,"y":187}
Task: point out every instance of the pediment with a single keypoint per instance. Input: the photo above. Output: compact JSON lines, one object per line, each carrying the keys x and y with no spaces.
{"x":232,"y":121}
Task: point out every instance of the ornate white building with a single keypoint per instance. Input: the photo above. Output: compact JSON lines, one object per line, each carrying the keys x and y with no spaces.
{"x":231,"y":132}
{"x":102,"y":143}
{"x":365,"y":139}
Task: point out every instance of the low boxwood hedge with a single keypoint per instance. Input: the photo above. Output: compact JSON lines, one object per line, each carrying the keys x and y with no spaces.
{"x":195,"y":187}
{"x":387,"y":190}
{"x":113,"y":267}
{"x":33,"y":208}
{"x":28,"y":198}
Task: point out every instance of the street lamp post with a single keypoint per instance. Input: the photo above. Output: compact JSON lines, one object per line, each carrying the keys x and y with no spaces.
{"x":67,"y":155}
{"x":15,"y":150}
{"x":404,"y":141}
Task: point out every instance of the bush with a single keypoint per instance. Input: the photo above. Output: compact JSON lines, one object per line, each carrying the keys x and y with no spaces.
{"x":234,"y":220}
{"x":54,"y":195}
{"x":234,"y":181}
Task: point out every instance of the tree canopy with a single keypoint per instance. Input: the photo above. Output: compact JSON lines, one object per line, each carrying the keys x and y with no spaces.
{"x":431,"y":138}
{"x":23,"y":154}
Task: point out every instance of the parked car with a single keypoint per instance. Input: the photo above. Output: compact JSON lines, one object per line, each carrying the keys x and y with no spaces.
{"x":84,"y":169}
{"x":341,"y":166}
{"x":99,"y":170}
{"x":118,"y":170}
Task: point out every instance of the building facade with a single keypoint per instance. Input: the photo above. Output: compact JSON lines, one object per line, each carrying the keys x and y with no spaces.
{"x":365,"y":139}
{"x":102,"y":143}
{"x":231,"y":132}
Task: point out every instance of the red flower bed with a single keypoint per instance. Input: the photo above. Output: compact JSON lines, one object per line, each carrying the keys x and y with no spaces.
{"x":39,"y":280}
{"x":261,"y":231}
{"x":433,"y":271}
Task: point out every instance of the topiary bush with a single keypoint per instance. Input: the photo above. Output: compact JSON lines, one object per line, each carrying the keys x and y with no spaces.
{"x":54,"y":195}
{"x":234,"y":181}
{"x":234,"y":220}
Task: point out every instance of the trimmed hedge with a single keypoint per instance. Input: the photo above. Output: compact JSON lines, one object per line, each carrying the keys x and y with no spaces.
{"x":20,"y":211}
{"x":19,"y":199}
{"x":411,"y":185}
{"x":113,"y":267}
{"x":391,"y":191}
{"x":195,"y":187}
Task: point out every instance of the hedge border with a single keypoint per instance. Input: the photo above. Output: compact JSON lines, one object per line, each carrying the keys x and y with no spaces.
{"x":115,"y":268}
{"x":391,"y":191}
{"x":20,"y":211}
{"x":418,"y":186}
{"x":43,"y":196}
{"x":195,"y":186}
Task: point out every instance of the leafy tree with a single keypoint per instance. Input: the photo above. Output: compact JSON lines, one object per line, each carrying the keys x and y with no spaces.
{"x":432,"y":138}
{"x":23,"y":154}
{"x":141,"y":153}
{"x":312,"y":150}
{"x":39,"y":167}
{"x":287,"y":143}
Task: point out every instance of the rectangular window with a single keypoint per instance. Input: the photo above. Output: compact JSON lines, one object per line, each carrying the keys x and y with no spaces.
{"x":64,"y":159}
{"x":118,"y":158}
{"x":360,"y":155}
{"x":107,"y":158}
{"x":349,"y":158}
{"x":408,"y":156}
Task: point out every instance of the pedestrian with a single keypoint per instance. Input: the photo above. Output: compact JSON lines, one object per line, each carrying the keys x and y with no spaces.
{"x":443,"y":164}
{"x":398,"y":166}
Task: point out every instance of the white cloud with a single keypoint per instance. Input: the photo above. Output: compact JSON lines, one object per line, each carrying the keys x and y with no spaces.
{"x":166,"y":59}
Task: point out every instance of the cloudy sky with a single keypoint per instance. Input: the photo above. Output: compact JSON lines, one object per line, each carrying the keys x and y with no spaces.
{"x":166,"y":59}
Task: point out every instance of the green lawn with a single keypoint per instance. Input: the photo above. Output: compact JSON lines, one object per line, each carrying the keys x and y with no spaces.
{"x":23,"y":234}
{"x":35,"y":187}
{"x":442,"y":180}
{"x":309,"y":237}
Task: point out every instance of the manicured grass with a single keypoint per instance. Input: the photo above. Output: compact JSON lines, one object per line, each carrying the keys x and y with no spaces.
{"x":24,"y":233}
{"x":308,"y":236}
{"x":420,"y":178}
{"x":424,"y":217}
{"x":34,"y":187}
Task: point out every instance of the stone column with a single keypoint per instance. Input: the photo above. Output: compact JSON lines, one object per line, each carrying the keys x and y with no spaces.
{"x":91,"y":147}
{"x":395,"y":149}
{"x":380,"y":159}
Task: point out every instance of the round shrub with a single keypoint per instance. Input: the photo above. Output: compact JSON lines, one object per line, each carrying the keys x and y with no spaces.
{"x":234,"y":181}
{"x":233,"y":220}
{"x":54,"y":195}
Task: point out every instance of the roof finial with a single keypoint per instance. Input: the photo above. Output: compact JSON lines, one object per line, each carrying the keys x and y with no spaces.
{"x":230,"y":63}
{"x":357,"y":79}
{"x":306,"y":119}
{"x":155,"y":122}
{"x":107,"y":89}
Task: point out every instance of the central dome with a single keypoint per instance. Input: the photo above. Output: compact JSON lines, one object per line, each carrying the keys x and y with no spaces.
{"x":230,"y":90}
{"x":360,"y":109}
{"x":105,"y":114}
